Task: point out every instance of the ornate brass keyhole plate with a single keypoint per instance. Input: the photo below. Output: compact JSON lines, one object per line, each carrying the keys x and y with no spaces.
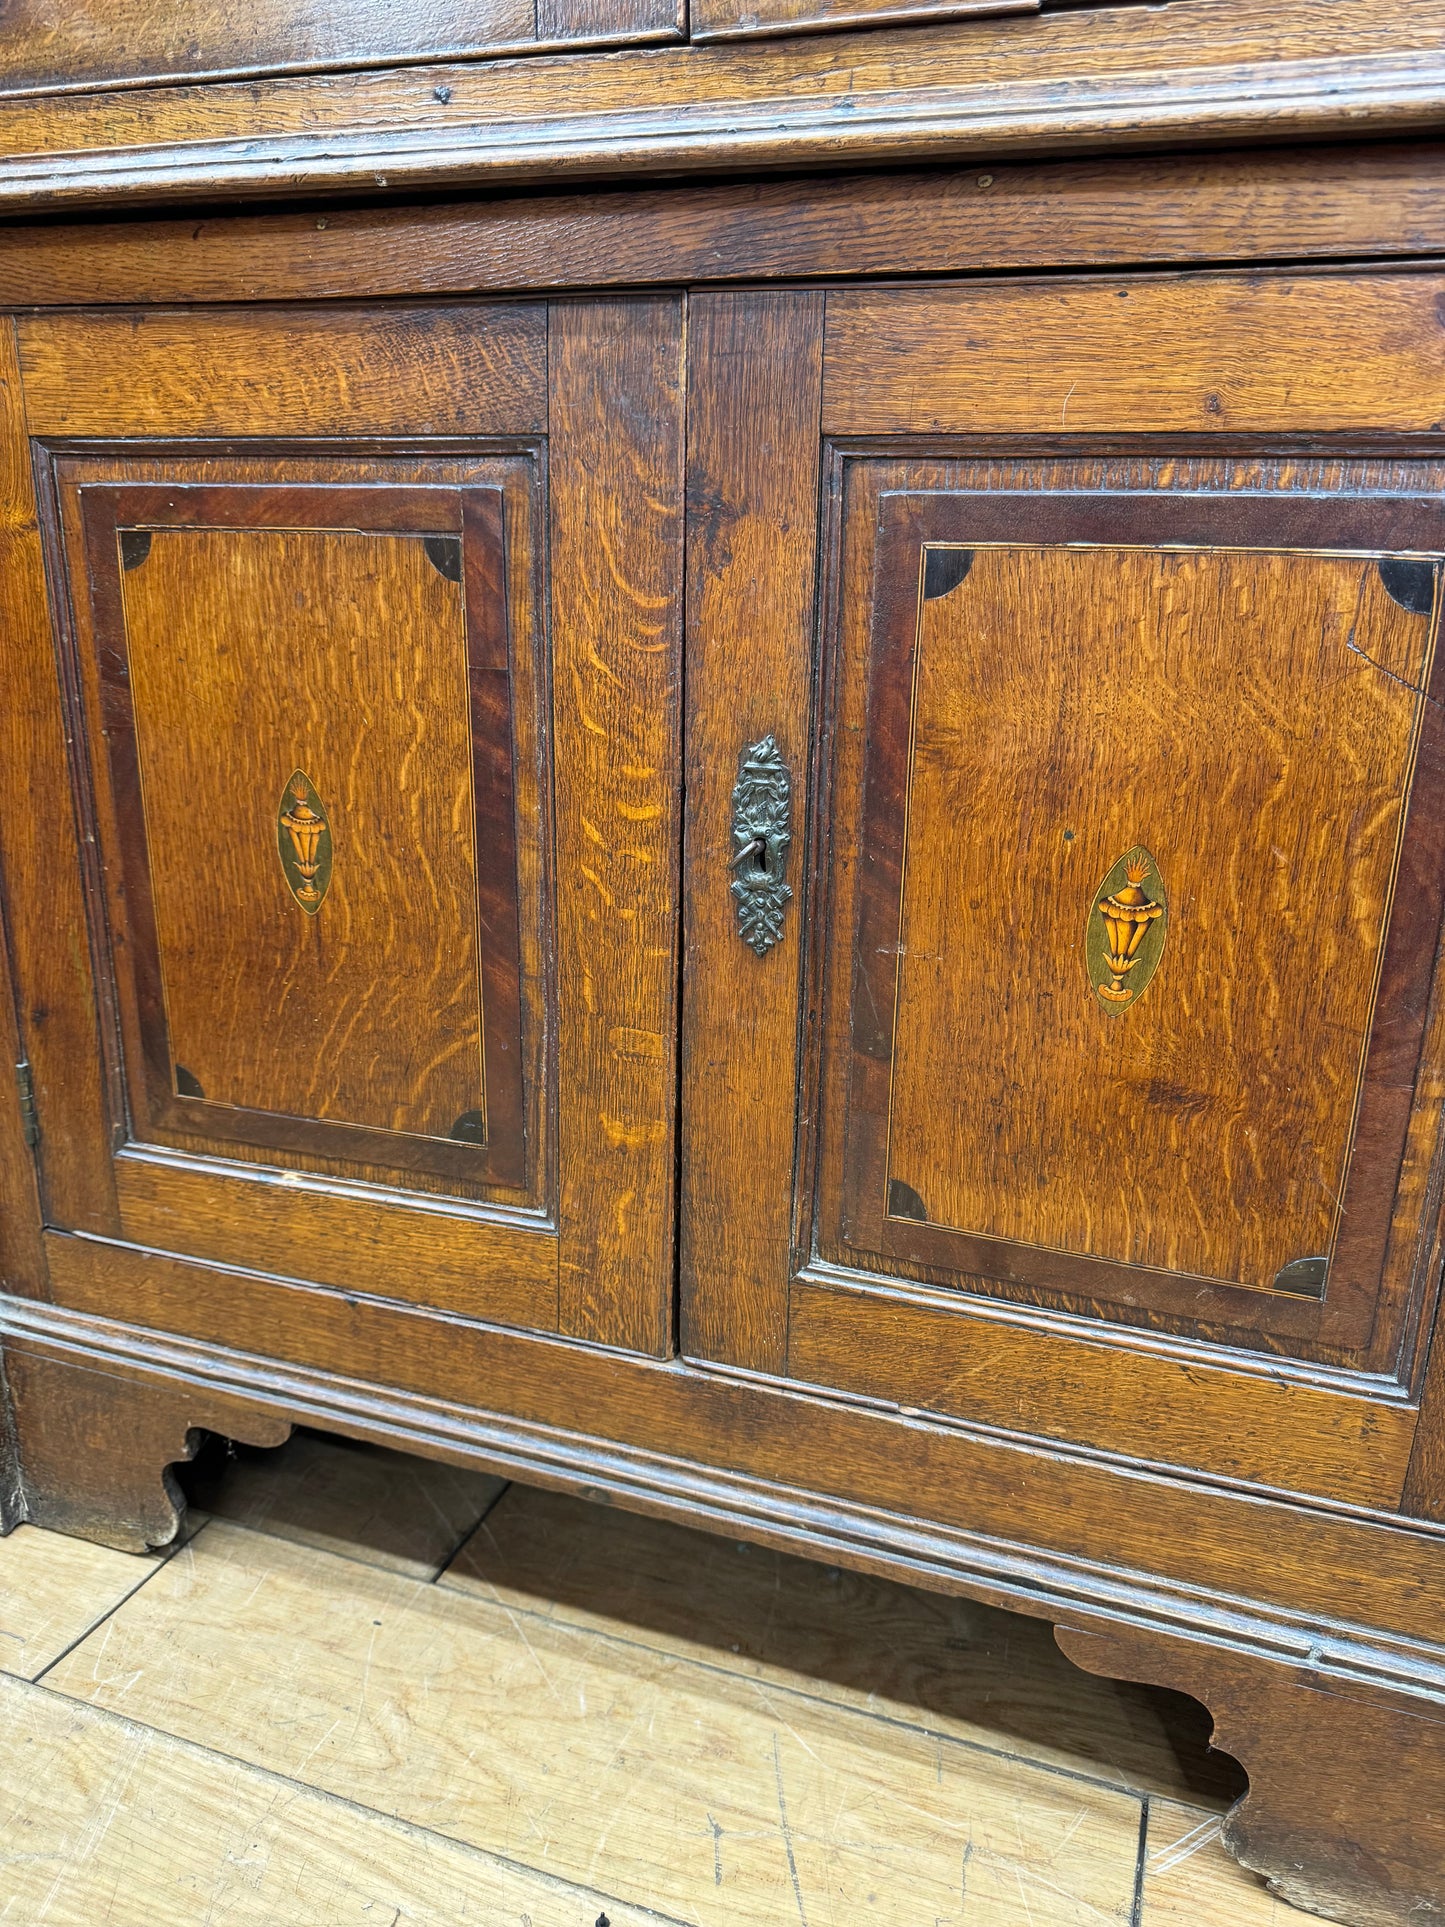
{"x":303,"y":840}
{"x":1128,"y":923}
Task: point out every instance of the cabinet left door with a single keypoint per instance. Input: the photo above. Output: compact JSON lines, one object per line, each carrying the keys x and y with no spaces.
{"x":339,"y":842}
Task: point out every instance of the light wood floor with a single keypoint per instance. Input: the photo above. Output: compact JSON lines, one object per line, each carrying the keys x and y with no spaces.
{"x":368,"y":1691}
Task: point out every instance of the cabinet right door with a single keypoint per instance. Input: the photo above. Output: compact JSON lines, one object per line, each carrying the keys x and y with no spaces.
{"x":1066,"y":858}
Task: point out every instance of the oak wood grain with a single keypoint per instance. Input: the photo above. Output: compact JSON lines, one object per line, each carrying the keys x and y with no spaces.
{"x":1396,"y":1278}
{"x":176,"y":474}
{"x":1209,"y":707}
{"x":1022,"y":1523}
{"x":95,"y":1448}
{"x":1381,"y":200}
{"x":22,"y":1261}
{"x":252,"y":647}
{"x":1208,"y":71}
{"x":1207,"y":354}
{"x":127,"y":43}
{"x":49,"y":949}
{"x":755,"y":366}
{"x":1269,"y":1431}
{"x":744,"y":19}
{"x":352,"y":1236}
{"x":478,"y":370}
{"x":1424,"y":1493}
{"x":357,"y":1238}
{"x":615,"y":464}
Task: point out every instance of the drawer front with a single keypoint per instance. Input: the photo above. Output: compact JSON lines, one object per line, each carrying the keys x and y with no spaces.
{"x":313,"y":582}
{"x":1114,"y":940}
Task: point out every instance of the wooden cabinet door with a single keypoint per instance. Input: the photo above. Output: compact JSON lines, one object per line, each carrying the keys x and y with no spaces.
{"x":1092,"y":1083}
{"x":345,"y":930}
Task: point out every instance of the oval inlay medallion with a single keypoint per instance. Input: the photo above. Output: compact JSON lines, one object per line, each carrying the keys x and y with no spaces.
{"x":1128,"y":922}
{"x":303,"y":839}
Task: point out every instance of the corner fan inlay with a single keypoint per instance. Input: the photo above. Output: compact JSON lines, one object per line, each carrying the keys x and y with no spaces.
{"x":303,"y":840}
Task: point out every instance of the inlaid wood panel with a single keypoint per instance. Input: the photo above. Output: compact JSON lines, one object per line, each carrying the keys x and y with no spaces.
{"x":1148,"y":899}
{"x":367,"y":632}
{"x":307,"y":704}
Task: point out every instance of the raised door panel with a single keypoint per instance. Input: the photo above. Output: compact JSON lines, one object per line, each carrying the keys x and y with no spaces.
{"x":326,"y":803}
{"x":1142,"y":804}
{"x":310,"y":735}
{"x":1102,"y":991}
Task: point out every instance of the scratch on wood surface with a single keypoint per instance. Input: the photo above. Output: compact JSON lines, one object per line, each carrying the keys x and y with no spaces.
{"x":787,"y":1832}
{"x":1185,"y":1848}
{"x":717,"y":1834}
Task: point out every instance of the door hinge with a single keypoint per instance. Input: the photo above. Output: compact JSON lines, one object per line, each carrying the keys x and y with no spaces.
{"x":25,"y":1090}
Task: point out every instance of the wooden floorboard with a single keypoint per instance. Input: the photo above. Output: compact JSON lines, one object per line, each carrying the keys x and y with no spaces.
{"x":105,"y":1823}
{"x":53,"y":1590}
{"x":358,"y":1695}
{"x":970,"y":1671}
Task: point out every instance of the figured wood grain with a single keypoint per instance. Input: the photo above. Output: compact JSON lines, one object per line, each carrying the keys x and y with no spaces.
{"x":353,"y":1238}
{"x":504,"y":621}
{"x":1387,"y":1285}
{"x":251,"y":633}
{"x":530,"y":1739}
{"x":256,"y":652}
{"x":874,"y":1488}
{"x":962,"y":1669}
{"x":1208,"y":71}
{"x":1301,"y":202}
{"x":102,"y":43}
{"x":577,"y":22}
{"x":1210,"y":708}
{"x":1207,"y":354}
{"x":275,"y":372}
{"x":615,"y":466}
{"x":1054,"y":1383}
{"x":110,"y":1820}
{"x":49,"y":950}
{"x":753,"y":450}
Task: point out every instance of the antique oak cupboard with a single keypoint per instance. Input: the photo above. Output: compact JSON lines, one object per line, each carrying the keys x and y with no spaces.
{"x":722,"y":781}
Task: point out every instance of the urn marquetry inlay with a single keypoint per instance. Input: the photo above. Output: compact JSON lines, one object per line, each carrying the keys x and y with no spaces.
{"x":303,"y":839}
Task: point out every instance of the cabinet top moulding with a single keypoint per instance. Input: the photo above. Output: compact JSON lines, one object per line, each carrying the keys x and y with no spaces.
{"x":1202,"y":71}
